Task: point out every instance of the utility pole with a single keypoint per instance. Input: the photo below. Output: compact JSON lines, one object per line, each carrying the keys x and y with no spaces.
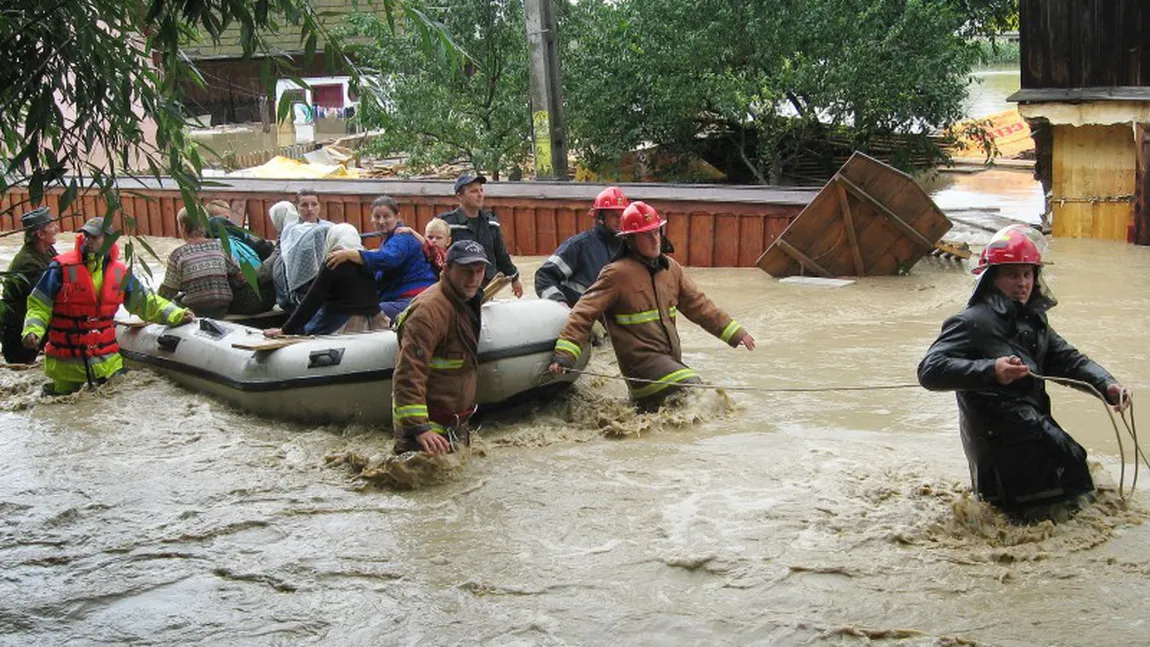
{"x":548,"y":128}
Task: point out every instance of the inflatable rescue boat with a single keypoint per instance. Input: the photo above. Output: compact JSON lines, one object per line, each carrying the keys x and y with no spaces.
{"x":338,"y":378}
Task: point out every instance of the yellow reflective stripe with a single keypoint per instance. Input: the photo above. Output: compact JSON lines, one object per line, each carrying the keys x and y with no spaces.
{"x":167,"y":313}
{"x":663,"y":382}
{"x":445,"y":363}
{"x":647,"y":316}
{"x":410,"y":411}
{"x":570,"y":347}
{"x":402,"y":316}
{"x":730,"y":330}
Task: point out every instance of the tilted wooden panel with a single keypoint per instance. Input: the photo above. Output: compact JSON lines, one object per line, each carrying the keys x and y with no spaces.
{"x":817,"y":241}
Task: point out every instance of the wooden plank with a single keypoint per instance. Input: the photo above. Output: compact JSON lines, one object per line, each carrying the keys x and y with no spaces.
{"x":726,"y":248}
{"x":333,"y":211}
{"x":911,"y":232}
{"x":751,"y":233}
{"x":168,"y":208}
{"x":152,"y":215}
{"x":700,"y":244}
{"x":546,"y":237}
{"x":567,"y":222}
{"x":677,"y":231}
{"x":849,"y":226}
{"x":8,"y":220}
{"x":268,"y":344}
{"x":521,"y":238}
{"x":802,"y":258}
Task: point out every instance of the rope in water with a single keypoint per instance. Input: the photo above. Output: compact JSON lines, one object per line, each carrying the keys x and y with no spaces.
{"x":757,"y":389}
{"x":1131,"y":430}
{"x":1131,"y":427}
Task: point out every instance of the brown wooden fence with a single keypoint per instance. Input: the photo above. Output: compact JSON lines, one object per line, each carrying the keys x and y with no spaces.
{"x":710,"y":226}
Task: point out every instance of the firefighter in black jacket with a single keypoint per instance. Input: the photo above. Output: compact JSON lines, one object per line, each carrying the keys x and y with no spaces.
{"x":567,"y":274}
{"x":1020,"y":458}
{"x":470,"y":221}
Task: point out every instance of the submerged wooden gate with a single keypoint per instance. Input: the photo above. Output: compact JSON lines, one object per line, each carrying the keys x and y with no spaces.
{"x":869,"y":219}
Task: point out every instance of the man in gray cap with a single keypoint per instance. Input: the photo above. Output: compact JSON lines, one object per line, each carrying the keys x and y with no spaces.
{"x":74,"y":307}
{"x":470,"y":221}
{"x":437,"y":367}
{"x":24,"y":272}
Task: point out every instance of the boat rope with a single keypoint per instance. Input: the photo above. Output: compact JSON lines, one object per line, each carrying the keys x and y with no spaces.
{"x":1129,"y":424}
{"x":756,"y":389}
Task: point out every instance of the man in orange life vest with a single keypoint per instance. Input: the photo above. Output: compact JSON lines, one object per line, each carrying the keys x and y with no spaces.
{"x":75,"y":303}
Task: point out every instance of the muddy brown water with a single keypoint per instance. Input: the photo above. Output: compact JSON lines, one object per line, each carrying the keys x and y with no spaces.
{"x":148,"y":514}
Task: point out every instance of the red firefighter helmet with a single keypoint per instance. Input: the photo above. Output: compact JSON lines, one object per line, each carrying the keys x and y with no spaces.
{"x":1013,"y":245}
{"x":611,"y":198}
{"x":639,"y":217}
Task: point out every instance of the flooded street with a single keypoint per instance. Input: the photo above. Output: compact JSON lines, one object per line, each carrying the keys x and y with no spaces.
{"x":148,"y":514}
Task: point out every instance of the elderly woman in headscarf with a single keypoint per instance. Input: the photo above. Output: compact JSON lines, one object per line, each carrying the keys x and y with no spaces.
{"x":301,"y":246}
{"x":345,"y":297}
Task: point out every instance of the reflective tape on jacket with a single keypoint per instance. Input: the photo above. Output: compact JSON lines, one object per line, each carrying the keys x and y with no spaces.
{"x":663,"y":382}
{"x":729,"y":331}
{"x":444,"y":363}
{"x":570,"y":347}
{"x":647,"y":316}
{"x":410,"y":411}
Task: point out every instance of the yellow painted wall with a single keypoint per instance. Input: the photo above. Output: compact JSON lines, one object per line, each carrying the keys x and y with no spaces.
{"x":1093,"y":162}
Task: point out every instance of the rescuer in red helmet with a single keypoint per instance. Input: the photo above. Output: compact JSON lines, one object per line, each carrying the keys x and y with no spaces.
{"x":1020,"y":458}
{"x":567,"y":273}
{"x":640,"y":295}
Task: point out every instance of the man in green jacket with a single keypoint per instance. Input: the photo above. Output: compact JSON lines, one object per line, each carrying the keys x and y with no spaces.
{"x":40,"y":231}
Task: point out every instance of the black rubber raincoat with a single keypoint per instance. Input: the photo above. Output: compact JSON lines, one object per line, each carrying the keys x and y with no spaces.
{"x":1019,"y":456}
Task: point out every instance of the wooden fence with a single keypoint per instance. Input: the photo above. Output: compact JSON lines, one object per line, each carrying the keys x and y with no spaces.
{"x":710,"y":226}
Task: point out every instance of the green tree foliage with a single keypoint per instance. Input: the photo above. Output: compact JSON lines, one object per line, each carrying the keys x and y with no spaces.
{"x":82,"y":78}
{"x":765,"y":83}
{"x":478,"y":112}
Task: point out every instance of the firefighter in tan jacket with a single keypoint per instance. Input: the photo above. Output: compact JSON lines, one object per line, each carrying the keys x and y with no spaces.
{"x":640,"y":295}
{"x":437,"y":370}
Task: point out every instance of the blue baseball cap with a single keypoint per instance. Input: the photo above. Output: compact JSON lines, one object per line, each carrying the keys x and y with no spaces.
{"x":466,"y":179}
{"x":466,"y":252}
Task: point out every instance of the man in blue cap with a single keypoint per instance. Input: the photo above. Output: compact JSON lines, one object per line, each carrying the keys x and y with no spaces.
{"x":40,"y":231}
{"x":437,"y":366}
{"x":470,"y":221}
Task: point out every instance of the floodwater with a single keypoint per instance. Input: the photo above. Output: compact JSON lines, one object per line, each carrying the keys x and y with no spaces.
{"x":148,"y":514}
{"x":988,"y":89}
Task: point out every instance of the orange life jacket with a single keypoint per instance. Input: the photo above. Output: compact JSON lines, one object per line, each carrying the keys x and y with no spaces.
{"x":83,"y":321}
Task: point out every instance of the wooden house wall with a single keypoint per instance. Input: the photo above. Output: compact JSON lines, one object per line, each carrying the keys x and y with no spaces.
{"x":1094,"y":172}
{"x":1084,"y":43}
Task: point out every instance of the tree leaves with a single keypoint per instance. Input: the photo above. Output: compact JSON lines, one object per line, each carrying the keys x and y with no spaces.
{"x":773,"y":79}
{"x":82,"y":76}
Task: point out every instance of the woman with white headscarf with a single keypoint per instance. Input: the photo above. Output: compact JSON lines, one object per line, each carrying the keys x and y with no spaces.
{"x":301,"y":250}
{"x":345,"y":297}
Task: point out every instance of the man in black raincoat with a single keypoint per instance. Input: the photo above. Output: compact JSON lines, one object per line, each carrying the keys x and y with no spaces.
{"x":1019,"y":456}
